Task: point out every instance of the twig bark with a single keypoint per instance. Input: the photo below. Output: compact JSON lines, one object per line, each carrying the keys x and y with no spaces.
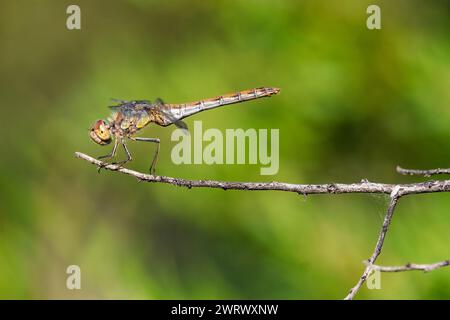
{"x":395,"y":195}
{"x":413,"y":267}
{"x":304,"y":189}
{"x":396,"y":191}
{"x":425,"y":173}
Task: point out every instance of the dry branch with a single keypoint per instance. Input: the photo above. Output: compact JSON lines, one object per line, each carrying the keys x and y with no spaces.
{"x":395,"y":195}
{"x":304,"y":189}
{"x":425,"y":173}
{"x":396,"y":191}
{"x":413,"y":267}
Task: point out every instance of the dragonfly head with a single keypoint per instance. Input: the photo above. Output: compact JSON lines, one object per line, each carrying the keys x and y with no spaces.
{"x":100,"y":133}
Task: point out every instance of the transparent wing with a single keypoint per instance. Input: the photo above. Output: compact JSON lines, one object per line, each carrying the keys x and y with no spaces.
{"x":161,"y":107}
{"x":178,"y":123}
{"x":119,"y":100}
{"x":130,"y":107}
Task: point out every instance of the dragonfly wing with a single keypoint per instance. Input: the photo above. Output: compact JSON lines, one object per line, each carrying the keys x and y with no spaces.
{"x":114,"y":108}
{"x":119,"y":100}
{"x":167,"y":116}
{"x":162,"y":115}
{"x":181,"y":124}
{"x":178,"y":123}
{"x":129,"y":108}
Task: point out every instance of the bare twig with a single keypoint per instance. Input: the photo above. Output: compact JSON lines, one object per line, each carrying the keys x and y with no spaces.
{"x":396,"y":191}
{"x":425,"y":173}
{"x":395,"y":195}
{"x":413,"y":267}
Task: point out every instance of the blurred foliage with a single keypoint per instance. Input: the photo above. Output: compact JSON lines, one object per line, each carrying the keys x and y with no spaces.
{"x":354,"y":104}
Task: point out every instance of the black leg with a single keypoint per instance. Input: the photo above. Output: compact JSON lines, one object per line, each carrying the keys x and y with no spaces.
{"x":128,"y":159}
{"x":110,"y":155}
{"x":155,"y":157}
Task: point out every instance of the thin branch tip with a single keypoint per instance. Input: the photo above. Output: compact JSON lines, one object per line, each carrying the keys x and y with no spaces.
{"x":413,"y":267}
{"x":425,"y":173}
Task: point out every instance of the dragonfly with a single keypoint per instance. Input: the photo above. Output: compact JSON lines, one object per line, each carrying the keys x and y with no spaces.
{"x":127,"y":118}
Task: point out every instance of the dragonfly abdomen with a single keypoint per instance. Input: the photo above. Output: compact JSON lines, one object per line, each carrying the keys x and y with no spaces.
{"x":184,"y":110}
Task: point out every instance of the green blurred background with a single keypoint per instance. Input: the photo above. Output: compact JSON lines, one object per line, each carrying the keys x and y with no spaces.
{"x":354,"y":104}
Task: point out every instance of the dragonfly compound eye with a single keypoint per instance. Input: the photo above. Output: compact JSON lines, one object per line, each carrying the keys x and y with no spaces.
{"x":100,"y":133}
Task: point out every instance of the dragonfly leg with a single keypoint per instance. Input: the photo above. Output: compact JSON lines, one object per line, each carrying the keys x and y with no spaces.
{"x":110,"y":155}
{"x":155,"y":157}
{"x":129,"y":157}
